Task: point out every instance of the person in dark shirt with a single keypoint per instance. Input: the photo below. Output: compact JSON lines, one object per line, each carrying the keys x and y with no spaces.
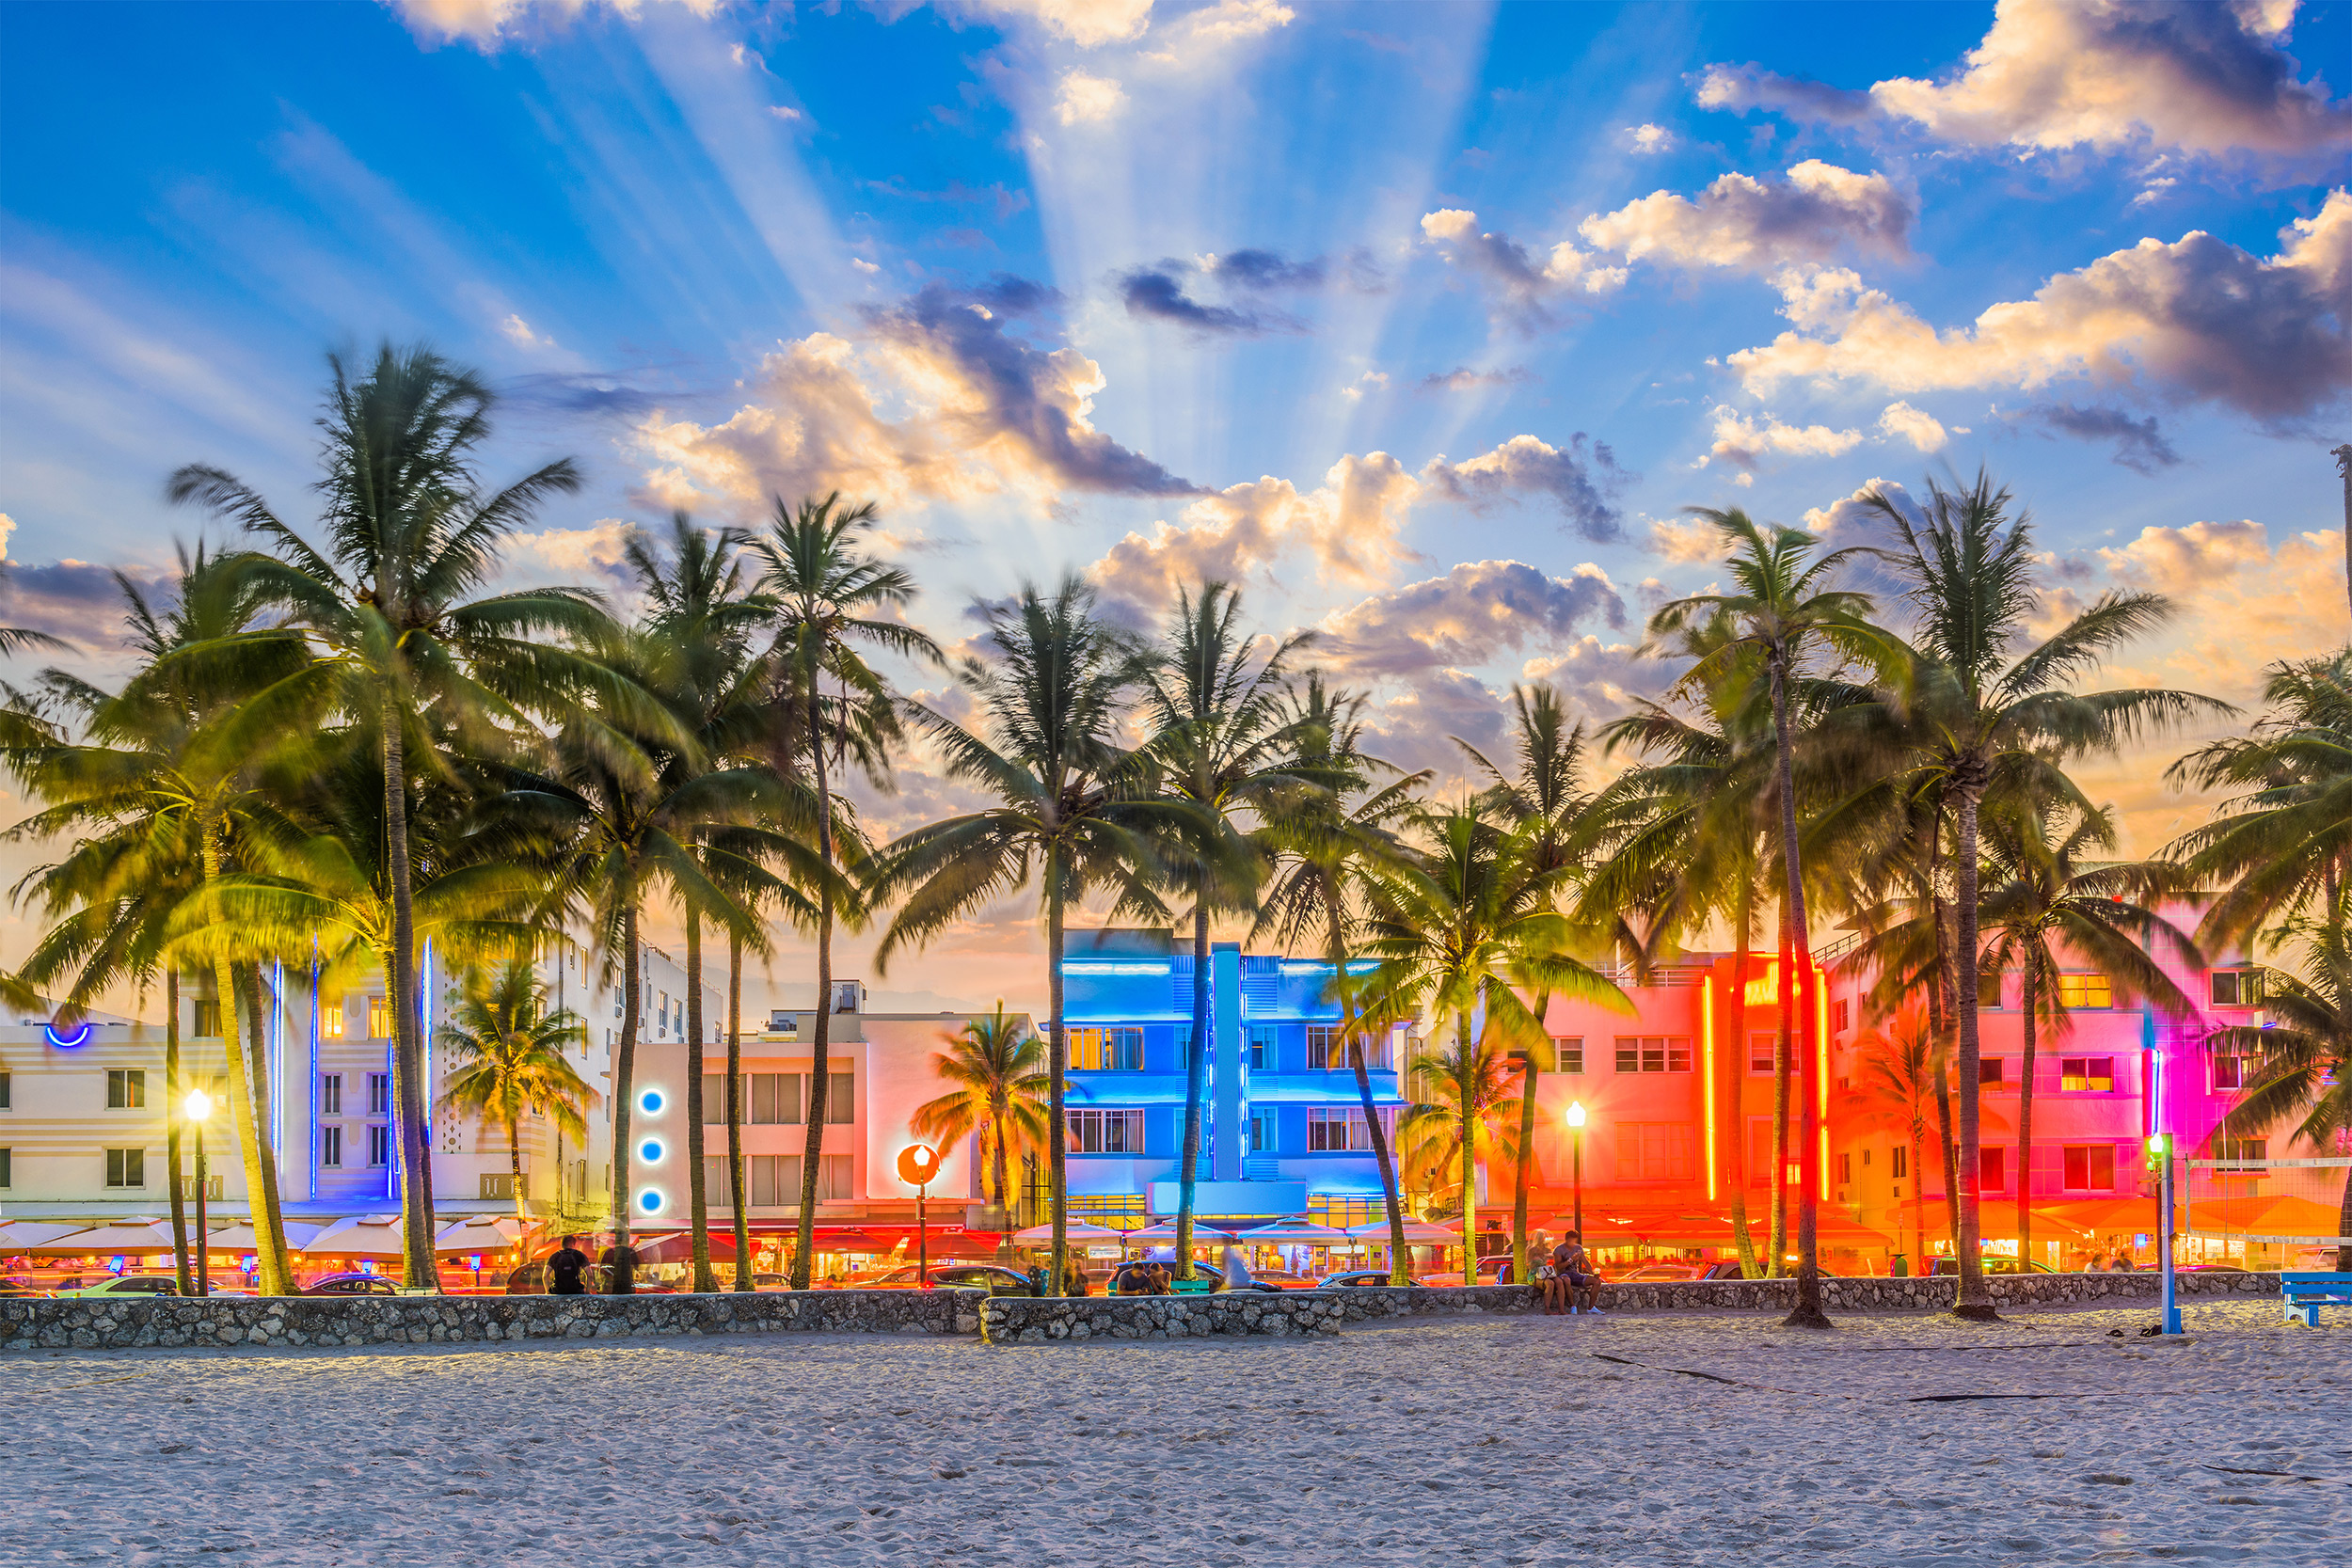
{"x":1574,"y":1267}
{"x":620,"y":1261}
{"x":564,"y":1269}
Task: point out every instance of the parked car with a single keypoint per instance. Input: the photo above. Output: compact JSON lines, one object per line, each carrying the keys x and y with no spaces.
{"x":996,"y":1279}
{"x":531,"y":1280}
{"x":130,"y":1285}
{"x":1492,"y":1271}
{"x":1209,"y":1271}
{"x":1357,"y":1279}
{"x":1283,"y":1279}
{"x":1994,"y":1266}
{"x":351,"y":1285}
{"x":2208,"y":1268}
{"x":1647,"y":1274}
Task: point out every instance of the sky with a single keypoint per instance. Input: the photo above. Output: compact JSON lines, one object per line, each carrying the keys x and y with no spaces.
{"x":1423,"y":324}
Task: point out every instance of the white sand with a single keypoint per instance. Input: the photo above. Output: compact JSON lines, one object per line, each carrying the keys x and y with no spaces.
{"x":1454,"y":1442}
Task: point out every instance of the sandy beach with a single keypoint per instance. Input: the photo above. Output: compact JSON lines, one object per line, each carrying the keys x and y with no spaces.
{"x":1893,"y":1440}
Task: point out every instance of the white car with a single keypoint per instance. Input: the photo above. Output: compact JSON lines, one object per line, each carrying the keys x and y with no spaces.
{"x":128,"y":1285}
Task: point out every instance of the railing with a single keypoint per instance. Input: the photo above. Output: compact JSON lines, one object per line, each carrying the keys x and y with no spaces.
{"x":1830,"y":952}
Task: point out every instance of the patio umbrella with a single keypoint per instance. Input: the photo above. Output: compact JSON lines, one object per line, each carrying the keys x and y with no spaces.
{"x":105,"y":1241}
{"x":374,"y":1237}
{"x":18,"y":1235}
{"x":1296,"y":1233}
{"x":678,"y":1248}
{"x":481,"y":1233}
{"x":1165,"y":1231}
{"x":239,"y":1237}
{"x":1417,"y":1233}
{"x":1043,"y":1235}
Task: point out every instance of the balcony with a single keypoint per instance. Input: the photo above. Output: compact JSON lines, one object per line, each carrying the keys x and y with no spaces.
{"x":1336,"y":1088}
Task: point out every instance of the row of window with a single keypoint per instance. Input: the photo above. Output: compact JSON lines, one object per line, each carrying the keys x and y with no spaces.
{"x":1119,"y":1047}
{"x":771,"y":1099}
{"x":773,"y":1181}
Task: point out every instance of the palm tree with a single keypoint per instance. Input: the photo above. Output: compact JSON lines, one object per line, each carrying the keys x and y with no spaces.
{"x":2304,"y":1056}
{"x":1463,"y":930}
{"x":2044,"y":898}
{"x":507,"y":1061}
{"x":998,"y":1070}
{"x":1987,"y":709}
{"x":831,"y":596}
{"x":410,"y":535}
{"x":1466,"y":1112}
{"x":1787,"y":614}
{"x":1222,"y":747}
{"x":162,"y":797}
{"x":1073,"y":805}
{"x":1545,"y":790}
{"x":1330,"y":845}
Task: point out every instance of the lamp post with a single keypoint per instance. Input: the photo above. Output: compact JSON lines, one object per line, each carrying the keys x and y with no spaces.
{"x":197,"y":1108}
{"x":1576,"y":1126}
{"x":2160,"y":1156}
{"x":917,"y":1164}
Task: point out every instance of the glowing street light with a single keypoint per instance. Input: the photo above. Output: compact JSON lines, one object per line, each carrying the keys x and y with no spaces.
{"x":198,"y":1108}
{"x":1576,"y":1126}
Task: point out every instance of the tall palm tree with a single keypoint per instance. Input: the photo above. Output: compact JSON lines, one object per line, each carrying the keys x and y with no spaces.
{"x":1545,"y":790}
{"x":1330,"y":845}
{"x":2044,"y":899}
{"x":410,"y":535}
{"x":1465,"y":1111}
{"x":1073,"y":806}
{"x":997,"y":1068}
{"x":1463,"y":930}
{"x":1221,"y":746}
{"x":1972,"y":583}
{"x":1786,"y":613}
{"x":832,"y":599}
{"x":2304,"y":1056}
{"x":507,"y":1061}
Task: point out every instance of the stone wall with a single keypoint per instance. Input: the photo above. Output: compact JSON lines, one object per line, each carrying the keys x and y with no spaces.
{"x":1780,"y":1295}
{"x":1029,"y":1321}
{"x":101,"y":1323}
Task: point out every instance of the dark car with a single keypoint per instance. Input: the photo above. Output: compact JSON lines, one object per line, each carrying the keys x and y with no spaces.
{"x":1209,"y":1271}
{"x":531,"y":1280}
{"x":351,"y":1285}
{"x":996,"y":1279}
{"x":1994,"y":1266}
{"x":1357,"y":1279}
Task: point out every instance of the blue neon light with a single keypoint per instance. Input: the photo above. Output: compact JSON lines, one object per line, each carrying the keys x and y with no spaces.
{"x":651,"y":1151}
{"x":74,"y":1039}
{"x":651,"y":1200}
{"x":651,"y":1103}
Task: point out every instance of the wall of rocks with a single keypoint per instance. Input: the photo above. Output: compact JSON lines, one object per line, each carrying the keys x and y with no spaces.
{"x":100,"y":1322}
{"x":1274,"y":1314}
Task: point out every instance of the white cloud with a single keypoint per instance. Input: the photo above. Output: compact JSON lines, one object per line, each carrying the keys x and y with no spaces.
{"x":1602,"y":678}
{"x":2199,"y":318}
{"x":517,"y":330}
{"x":1581,"y":479}
{"x":2185,"y":559}
{"x":786,"y":113}
{"x":1371,"y":381}
{"x":1086,"y":99}
{"x":1922,"y":430}
{"x":862,"y":265}
{"x":7,"y":528}
{"x":1743,"y":442}
{"x":1476,"y":613}
{"x":1650,"y":138}
{"x":1087,"y":23}
{"x":1685,"y":543}
{"x":1755,"y":225}
{"x":485,"y":23}
{"x":1525,"y":287}
{"x":1851,"y":520}
{"x":594,"y":555}
{"x":1215,"y":26}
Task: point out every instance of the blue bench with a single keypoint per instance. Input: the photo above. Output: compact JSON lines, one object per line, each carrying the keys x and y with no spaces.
{"x":2306,"y":1294}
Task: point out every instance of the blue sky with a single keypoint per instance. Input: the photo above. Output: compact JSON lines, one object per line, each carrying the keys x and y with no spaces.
{"x":1424,"y":322}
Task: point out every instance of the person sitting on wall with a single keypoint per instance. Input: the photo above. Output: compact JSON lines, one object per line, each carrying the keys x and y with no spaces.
{"x":1073,"y":1279}
{"x":1575,"y":1264}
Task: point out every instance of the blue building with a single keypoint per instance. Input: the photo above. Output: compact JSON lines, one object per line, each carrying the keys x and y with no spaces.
{"x":1283,"y":1128}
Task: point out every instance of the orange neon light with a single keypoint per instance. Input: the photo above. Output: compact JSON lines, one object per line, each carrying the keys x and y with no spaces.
{"x":1820,"y":1057}
{"x":1707,"y":1053}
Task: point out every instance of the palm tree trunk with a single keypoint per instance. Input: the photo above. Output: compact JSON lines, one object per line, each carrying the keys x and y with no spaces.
{"x":697,"y":1199}
{"x":1520,"y":1275}
{"x":1779,"y":1266}
{"x":820,"y":1036}
{"x":2024,"y":1131}
{"x":1195,"y":1077}
{"x":1796,"y":995}
{"x":412,"y":1095}
{"x":735,"y":1111}
{"x":1975,"y":1301}
{"x":172,"y":1091}
{"x":623,"y":1078}
{"x":1944,"y":1141}
{"x":514,"y":1168}
{"x":1734,"y":1081}
{"x":1464,"y":1067}
{"x":1919,"y":1200}
{"x":1058,"y":1072}
{"x":251,"y":1102}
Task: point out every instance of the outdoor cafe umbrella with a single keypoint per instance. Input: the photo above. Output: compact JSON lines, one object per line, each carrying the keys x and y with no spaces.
{"x":1043,"y":1235}
{"x":376,"y":1237}
{"x":1165,"y":1231}
{"x":678,"y":1247}
{"x":1417,"y":1233}
{"x":239,"y":1237}
{"x":480,"y":1233}
{"x":106,"y":1241}
{"x":22,"y":1235}
{"x":1294,"y":1232}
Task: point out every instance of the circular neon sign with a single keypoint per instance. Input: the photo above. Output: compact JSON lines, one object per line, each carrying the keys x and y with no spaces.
{"x":651,"y":1101}
{"x":651,"y":1151}
{"x":651,"y":1200}
{"x":69,"y":1039}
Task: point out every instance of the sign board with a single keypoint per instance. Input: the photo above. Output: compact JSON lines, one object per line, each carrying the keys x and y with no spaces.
{"x":1102,"y":1252}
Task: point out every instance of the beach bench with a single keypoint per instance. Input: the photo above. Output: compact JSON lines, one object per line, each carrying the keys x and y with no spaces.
{"x":1190,"y":1286}
{"x":2306,"y":1294}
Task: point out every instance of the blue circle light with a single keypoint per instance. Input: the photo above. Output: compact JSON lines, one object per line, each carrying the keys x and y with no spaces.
{"x":651,"y":1200}
{"x":651,"y":1151}
{"x":70,"y":1039}
{"x":652,"y":1101}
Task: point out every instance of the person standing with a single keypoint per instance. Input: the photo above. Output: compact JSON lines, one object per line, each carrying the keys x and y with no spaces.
{"x":1234,"y":1265}
{"x":565,"y":1268}
{"x":620,"y":1261}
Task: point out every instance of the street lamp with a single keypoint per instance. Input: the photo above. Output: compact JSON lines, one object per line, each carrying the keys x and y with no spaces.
{"x":197,"y":1107}
{"x":1576,"y":1126}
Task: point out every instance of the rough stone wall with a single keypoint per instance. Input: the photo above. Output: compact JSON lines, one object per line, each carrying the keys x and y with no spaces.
{"x":1029,"y":1321}
{"x":1780,"y":1295}
{"x":100,"y":1322}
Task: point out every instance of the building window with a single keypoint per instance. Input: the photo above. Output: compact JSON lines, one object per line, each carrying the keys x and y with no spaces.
{"x":379,"y":1018}
{"x":2087,"y":1074}
{"x":331,"y":1019}
{"x":1840,"y":1016}
{"x":331,"y":1147}
{"x":1183,"y":1046}
{"x":2229,"y":1072}
{"x":126,"y":1167}
{"x":331,"y":1094}
{"x":126,"y":1089}
{"x":1989,"y":989}
{"x":1567,"y":1055}
{"x":379,"y":1094}
{"x":1261,"y":1132}
{"x":1342,"y":1130}
{"x":2089,"y":1168}
{"x":1653,"y":1054}
{"x":2237,"y":987}
{"x":1262,"y":1047}
{"x":1760,"y":1049}
{"x":1653,"y":1150}
{"x":1991,"y":1169}
{"x":6,"y":1176}
{"x":2085,"y":991}
{"x":714,"y":1098}
{"x":1107,"y":1050}
{"x":1897,"y":1162}
{"x":775,"y":1097}
{"x":1991,"y":1069}
{"x":1106,"y":1132}
{"x":1845,"y":1168}
{"x":1324,"y":1052}
{"x":840,"y":1100}
{"x":4,"y":1092}
{"x":207,"y":1019}
{"x":2251,"y":1150}
{"x":380,"y":1147}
